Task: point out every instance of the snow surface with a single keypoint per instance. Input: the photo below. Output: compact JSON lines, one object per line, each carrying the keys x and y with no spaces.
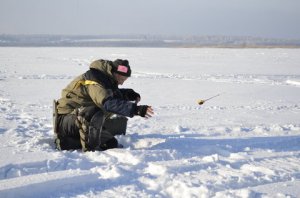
{"x":244,"y":143}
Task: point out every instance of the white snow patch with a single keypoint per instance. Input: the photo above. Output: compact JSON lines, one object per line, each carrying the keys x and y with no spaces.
{"x":293,"y":82}
{"x":245,"y":143}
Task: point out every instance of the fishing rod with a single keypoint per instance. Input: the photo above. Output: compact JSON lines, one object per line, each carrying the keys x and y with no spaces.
{"x":201,"y":102}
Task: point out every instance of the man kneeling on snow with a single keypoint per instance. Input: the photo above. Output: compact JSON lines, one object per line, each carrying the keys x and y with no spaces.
{"x":93,"y":109}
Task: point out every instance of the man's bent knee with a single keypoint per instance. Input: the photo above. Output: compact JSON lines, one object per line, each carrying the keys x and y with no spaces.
{"x":95,"y":130}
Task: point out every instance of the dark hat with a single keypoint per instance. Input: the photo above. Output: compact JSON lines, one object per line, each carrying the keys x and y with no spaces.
{"x":121,"y":67}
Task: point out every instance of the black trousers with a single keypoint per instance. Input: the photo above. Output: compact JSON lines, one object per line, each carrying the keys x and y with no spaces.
{"x":101,"y":131}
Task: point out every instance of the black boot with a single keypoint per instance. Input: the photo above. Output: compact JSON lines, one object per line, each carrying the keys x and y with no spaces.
{"x":110,"y":144}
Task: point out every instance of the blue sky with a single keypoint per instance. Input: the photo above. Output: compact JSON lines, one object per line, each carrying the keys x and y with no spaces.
{"x":261,"y":18}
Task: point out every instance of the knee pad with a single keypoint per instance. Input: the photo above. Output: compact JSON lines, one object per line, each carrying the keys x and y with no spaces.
{"x":116,"y":125}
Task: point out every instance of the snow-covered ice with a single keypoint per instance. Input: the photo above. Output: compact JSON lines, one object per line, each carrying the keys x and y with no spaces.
{"x":244,"y":143}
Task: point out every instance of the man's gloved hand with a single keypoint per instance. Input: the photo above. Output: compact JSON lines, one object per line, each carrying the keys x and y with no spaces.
{"x":144,"y":111}
{"x":131,"y":95}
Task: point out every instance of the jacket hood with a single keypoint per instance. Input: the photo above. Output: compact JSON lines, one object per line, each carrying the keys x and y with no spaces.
{"x":104,"y":66}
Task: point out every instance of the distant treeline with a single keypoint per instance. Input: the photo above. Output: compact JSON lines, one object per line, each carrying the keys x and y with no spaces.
{"x":142,"y":41}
